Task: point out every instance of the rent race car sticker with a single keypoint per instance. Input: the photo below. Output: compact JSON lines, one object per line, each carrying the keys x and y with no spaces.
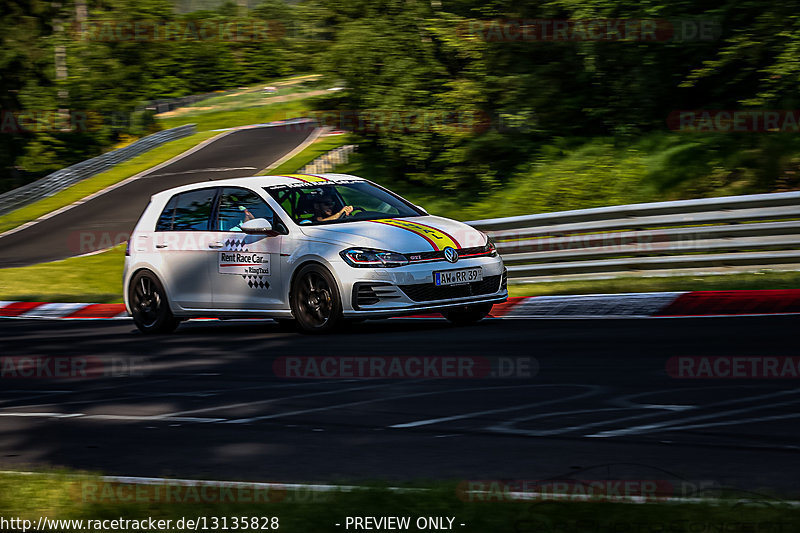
{"x":240,"y":263}
{"x":435,"y":237}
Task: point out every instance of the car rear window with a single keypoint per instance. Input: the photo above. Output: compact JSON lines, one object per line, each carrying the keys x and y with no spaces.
{"x":188,"y":211}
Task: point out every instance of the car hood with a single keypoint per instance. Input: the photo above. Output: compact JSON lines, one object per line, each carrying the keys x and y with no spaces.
{"x":404,"y":235}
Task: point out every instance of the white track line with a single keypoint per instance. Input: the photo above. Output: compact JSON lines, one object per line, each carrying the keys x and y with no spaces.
{"x":371,"y":400}
{"x":129,"y":418}
{"x":505,"y":427}
{"x":668,"y":425}
{"x":594,"y":391}
{"x":272,"y":400}
{"x":740,"y":421}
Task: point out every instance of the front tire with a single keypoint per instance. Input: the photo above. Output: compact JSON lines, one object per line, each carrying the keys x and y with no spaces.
{"x":149,"y":305}
{"x":316,"y":304}
{"x":467,"y":314}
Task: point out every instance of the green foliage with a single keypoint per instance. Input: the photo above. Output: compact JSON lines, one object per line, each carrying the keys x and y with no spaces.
{"x":576,"y":173}
{"x":421,"y":58}
{"x":491,"y":109}
{"x":110,"y":80}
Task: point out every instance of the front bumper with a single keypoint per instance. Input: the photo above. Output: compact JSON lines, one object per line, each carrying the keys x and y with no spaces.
{"x":410,"y":289}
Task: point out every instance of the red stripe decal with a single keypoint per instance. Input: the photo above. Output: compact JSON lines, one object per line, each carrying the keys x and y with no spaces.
{"x":98,"y":311}
{"x":440,"y":231}
{"x":294,"y":178}
{"x":753,"y":302}
{"x":18,"y":308}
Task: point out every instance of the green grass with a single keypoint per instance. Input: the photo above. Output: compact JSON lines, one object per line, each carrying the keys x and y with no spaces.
{"x":310,"y":153}
{"x":101,"y":181}
{"x":93,"y":278}
{"x":63,"y":495}
{"x":252,"y":96}
{"x":255,"y":95}
{"x":225,"y":118}
{"x":241,"y":107}
{"x":723,"y":282}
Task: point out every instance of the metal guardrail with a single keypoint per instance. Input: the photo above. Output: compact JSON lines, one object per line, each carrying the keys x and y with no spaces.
{"x":328,"y":161}
{"x":687,"y":237}
{"x":61,"y":179}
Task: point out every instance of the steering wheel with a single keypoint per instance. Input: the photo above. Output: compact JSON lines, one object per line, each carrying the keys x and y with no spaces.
{"x":353,"y":212}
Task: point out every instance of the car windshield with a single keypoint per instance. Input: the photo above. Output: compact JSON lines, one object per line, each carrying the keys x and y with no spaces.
{"x":340,"y":202}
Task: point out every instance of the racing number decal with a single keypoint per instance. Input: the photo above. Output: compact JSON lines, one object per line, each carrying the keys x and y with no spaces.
{"x":436,"y":238}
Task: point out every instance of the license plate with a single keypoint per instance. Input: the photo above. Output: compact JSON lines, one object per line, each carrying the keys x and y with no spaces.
{"x":457,"y":277}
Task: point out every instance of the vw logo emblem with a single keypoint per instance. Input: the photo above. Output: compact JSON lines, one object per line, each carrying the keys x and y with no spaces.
{"x":450,"y":254}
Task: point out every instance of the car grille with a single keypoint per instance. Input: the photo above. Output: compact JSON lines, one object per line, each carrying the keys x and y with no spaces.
{"x":424,"y":292}
{"x":439,"y":254}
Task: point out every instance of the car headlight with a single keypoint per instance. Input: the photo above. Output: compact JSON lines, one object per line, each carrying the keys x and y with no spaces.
{"x":369,"y":258}
{"x":490,"y":249}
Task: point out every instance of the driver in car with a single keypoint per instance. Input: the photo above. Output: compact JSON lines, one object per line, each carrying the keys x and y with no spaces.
{"x":324,"y":210}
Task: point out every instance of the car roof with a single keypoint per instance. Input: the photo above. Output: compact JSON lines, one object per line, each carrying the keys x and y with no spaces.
{"x":262,"y":181}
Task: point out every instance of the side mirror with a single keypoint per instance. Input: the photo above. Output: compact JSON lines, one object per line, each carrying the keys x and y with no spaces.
{"x":257,"y":226}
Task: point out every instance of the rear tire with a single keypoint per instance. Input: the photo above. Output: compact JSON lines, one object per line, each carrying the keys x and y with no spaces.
{"x":316,"y":304}
{"x":149,"y":305}
{"x":467,"y":314}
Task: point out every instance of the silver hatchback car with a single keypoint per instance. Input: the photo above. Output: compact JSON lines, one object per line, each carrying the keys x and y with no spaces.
{"x":310,"y":250}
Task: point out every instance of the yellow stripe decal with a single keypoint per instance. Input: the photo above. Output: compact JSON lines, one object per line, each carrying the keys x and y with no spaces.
{"x":308,"y":178}
{"x":436,"y":238}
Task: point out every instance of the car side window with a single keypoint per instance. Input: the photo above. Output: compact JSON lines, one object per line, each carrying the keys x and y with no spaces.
{"x":193,"y":210}
{"x":237,"y":206}
{"x":164,"y":222}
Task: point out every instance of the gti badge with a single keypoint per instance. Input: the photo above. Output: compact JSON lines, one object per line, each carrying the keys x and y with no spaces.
{"x":450,"y":254}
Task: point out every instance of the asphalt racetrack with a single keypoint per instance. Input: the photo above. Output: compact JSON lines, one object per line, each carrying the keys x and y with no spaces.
{"x":596,"y":403}
{"x":110,"y":217}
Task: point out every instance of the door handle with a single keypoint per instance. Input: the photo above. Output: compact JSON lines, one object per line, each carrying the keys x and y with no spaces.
{"x":216,"y":245}
{"x":161,"y":245}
